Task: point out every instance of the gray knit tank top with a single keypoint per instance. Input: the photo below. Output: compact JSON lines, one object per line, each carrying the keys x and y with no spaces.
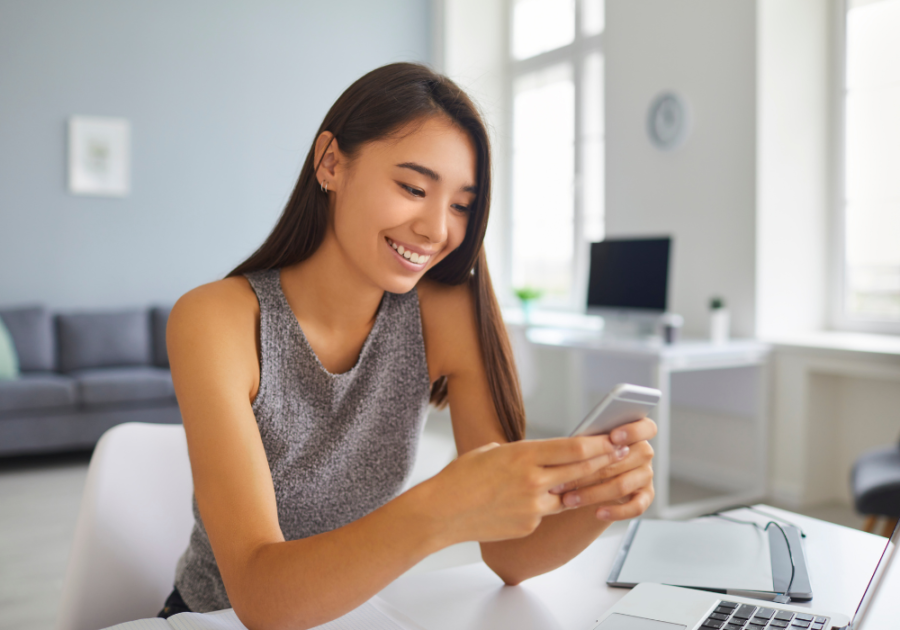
{"x":338,"y":445}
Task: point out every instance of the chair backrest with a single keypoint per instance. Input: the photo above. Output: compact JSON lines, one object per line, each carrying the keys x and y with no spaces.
{"x":135,"y":521}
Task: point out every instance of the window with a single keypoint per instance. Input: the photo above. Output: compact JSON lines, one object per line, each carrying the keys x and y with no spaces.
{"x":556,"y":72}
{"x":870,"y":204}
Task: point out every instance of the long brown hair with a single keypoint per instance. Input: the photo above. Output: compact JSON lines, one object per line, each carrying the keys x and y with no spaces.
{"x":376,"y":106}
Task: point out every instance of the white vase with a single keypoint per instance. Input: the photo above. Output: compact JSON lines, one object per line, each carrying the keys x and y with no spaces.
{"x":719,"y":324}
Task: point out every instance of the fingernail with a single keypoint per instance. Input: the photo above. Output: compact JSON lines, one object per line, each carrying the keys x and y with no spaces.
{"x":571,"y":500}
{"x":620,"y":436}
{"x":603,"y":515}
{"x":621,"y":452}
{"x":558,"y":489}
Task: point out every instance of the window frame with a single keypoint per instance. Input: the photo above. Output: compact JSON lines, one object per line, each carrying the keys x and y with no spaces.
{"x":574,"y":53}
{"x":840,"y":318}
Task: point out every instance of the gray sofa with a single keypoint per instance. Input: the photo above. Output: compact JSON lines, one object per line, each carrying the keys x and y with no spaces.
{"x":82,"y":373}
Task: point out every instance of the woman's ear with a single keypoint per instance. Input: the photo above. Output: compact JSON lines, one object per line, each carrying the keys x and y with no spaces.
{"x":328,"y":157}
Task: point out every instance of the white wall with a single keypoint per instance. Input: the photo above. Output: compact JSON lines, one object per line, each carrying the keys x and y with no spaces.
{"x":223,"y":98}
{"x":703,"y":193}
{"x":830,"y":405}
{"x":474,"y":55}
{"x":796,"y":72}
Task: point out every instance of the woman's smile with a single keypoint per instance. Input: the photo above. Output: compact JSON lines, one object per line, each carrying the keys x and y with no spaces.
{"x":413,"y":259}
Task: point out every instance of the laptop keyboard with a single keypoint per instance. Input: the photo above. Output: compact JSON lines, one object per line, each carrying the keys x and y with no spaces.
{"x":734,"y":616}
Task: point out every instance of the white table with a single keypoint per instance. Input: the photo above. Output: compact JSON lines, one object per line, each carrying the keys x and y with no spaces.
{"x":573,"y":597}
{"x":472,"y":597}
{"x":714,"y":410}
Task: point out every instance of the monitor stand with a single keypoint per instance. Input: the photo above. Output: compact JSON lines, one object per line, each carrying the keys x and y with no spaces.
{"x":626,"y":324}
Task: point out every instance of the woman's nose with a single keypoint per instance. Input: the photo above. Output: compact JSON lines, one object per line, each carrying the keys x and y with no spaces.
{"x":432,"y":223}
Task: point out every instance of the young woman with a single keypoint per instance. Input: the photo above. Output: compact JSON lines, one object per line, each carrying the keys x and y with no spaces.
{"x":304,"y":378}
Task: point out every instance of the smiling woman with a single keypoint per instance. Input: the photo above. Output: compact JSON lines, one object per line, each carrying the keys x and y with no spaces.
{"x":304,"y":378}
{"x":408,"y":206}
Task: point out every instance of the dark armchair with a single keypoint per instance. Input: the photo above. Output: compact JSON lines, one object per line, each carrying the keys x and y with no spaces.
{"x":876,"y":487}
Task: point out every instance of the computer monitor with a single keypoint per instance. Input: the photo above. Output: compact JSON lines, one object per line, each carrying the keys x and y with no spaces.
{"x":629,"y":275}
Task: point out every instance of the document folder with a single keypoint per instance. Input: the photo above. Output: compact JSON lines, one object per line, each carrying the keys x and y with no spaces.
{"x":713,"y":555}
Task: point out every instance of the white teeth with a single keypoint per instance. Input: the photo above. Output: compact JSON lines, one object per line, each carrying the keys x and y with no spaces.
{"x":419,"y":259}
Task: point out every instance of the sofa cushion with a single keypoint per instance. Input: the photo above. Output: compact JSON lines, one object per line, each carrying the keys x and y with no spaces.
{"x":122,"y":385}
{"x":103,"y":339}
{"x":31,"y":329}
{"x":9,"y":362}
{"x":159,"y":316}
{"x":36,"y":391}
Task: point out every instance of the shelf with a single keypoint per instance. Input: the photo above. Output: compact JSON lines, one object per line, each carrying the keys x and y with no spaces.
{"x":842,"y":342}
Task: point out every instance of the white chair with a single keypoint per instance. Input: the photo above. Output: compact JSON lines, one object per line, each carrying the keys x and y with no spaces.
{"x":135,"y":521}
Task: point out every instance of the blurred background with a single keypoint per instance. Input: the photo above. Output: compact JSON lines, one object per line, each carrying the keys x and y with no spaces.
{"x":779,"y":193}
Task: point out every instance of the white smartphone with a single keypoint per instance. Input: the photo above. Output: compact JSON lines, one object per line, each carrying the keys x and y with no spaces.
{"x":625,"y":403}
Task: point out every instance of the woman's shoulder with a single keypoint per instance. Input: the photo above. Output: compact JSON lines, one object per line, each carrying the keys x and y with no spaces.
{"x":448,"y":325}
{"x":219,"y":306}
{"x":233,"y":293}
{"x":445,"y":304}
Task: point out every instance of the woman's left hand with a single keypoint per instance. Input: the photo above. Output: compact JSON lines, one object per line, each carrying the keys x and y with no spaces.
{"x":623,"y":489}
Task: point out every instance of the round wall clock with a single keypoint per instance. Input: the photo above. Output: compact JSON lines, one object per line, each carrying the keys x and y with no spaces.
{"x":667,"y":121}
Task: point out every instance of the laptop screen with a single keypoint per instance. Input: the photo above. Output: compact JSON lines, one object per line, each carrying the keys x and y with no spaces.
{"x":883,"y":563}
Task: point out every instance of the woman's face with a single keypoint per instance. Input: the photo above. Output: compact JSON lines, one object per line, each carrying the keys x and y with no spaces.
{"x":402,"y":205}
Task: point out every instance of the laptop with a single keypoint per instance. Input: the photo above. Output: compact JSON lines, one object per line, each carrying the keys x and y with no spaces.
{"x":659,"y":607}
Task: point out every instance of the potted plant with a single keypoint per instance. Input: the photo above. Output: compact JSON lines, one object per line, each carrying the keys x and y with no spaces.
{"x":528,"y":296}
{"x":718,"y":320}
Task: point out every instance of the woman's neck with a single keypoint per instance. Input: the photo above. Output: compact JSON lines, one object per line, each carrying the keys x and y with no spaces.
{"x":326,"y":292}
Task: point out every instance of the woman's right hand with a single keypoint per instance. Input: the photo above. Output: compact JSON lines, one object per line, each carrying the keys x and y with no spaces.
{"x":502,"y":491}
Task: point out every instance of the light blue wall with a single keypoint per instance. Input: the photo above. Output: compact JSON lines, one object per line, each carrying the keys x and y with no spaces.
{"x":223,"y":98}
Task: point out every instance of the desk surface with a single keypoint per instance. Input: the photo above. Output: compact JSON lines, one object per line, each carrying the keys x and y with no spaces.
{"x":841,"y":561}
{"x":748,"y":349}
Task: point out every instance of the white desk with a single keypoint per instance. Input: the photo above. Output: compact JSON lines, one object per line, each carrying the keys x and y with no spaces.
{"x":573,"y":597}
{"x":713,"y":415}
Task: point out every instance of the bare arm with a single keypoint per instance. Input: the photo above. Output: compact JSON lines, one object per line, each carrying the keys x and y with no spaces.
{"x":622,"y":489}
{"x":271,"y":583}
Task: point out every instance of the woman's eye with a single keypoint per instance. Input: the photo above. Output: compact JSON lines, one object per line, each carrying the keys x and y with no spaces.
{"x":416,"y":192}
{"x":413,"y":191}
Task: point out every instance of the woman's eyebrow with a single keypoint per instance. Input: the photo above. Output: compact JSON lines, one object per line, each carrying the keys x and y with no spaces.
{"x":427,"y":172}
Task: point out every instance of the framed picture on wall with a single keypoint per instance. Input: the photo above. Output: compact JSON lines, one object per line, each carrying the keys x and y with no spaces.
{"x":99,"y":156}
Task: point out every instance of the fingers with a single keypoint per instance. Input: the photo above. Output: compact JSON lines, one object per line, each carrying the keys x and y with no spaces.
{"x":638,"y":504}
{"x":555,"y":477}
{"x":614,"y":467}
{"x":632,"y":432}
{"x":639,"y":454}
{"x":560,"y":451}
{"x":625,"y":459}
{"x":611,"y":490}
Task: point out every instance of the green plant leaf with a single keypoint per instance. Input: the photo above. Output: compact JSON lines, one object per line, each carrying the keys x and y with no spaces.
{"x":526,"y":294}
